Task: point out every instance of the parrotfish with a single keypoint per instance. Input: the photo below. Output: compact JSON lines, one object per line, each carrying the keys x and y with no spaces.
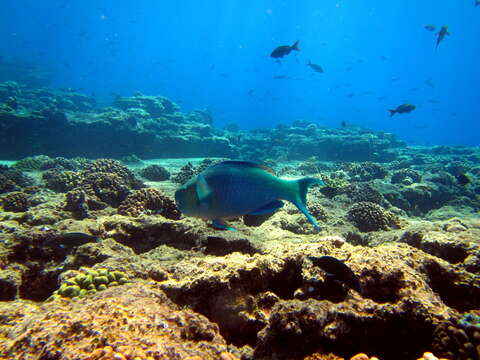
{"x":283,"y":50}
{"x":232,"y":189}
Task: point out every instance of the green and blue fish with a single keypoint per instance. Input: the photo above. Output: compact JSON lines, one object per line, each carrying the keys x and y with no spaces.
{"x":232,"y":189}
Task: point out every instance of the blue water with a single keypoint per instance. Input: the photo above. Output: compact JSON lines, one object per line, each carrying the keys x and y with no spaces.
{"x":215,"y":55}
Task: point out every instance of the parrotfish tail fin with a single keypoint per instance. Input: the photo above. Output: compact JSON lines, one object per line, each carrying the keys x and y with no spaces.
{"x":295,"y":46}
{"x":301,"y":201}
{"x":392,"y":112}
{"x":220,"y":224}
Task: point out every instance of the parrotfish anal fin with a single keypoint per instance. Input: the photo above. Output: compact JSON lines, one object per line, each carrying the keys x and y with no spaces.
{"x":220,"y":224}
{"x":203,"y":190}
{"x":301,"y":201}
{"x":268,"y":209}
{"x":305,"y":212}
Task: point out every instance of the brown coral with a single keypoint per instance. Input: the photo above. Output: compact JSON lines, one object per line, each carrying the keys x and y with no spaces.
{"x":134,"y":320}
{"x":61,"y":181}
{"x":455,"y":341}
{"x":16,"y":201}
{"x":368,"y":216}
{"x":149,"y":201}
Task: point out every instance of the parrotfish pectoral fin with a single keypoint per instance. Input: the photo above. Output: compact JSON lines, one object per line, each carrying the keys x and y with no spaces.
{"x":301,"y":202}
{"x":268,"y":209}
{"x":203,"y":191}
{"x":220,"y":224}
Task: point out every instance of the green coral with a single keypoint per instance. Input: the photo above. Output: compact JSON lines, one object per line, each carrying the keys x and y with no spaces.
{"x":89,"y":282}
{"x":336,"y":180}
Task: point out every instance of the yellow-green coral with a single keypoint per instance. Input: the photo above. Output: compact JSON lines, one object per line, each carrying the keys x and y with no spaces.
{"x":89,"y":282}
{"x":335,"y":181}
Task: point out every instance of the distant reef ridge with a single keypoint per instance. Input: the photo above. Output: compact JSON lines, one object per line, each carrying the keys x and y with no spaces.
{"x":66,"y":123}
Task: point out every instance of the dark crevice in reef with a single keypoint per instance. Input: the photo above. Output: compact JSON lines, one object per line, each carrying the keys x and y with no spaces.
{"x":455,"y":294}
{"x":288,"y":280}
{"x":238,"y":308}
{"x":38,"y":285}
{"x":382,"y":289}
{"x":299,"y":329}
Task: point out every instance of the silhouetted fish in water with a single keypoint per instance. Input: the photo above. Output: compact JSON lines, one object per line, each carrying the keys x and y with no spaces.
{"x":441,"y":35}
{"x":343,"y":123}
{"x":315,"y":67}
{"x":338,"y":270}
{"x":283,"y":50}
{"x":401,"y":109}
{"x":280,"y":77}
{"x":477,"y":3}
{"x":463,"y":179}
{"x":429,"y":27}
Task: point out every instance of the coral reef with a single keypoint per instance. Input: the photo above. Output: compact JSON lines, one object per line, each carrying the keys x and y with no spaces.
{"x":400,"y":218}
{"x":149,"y":201}
{"x":155,"y":173}
{"x":137,"y":321}
{"x":368,"y":216}
{"x":406,"y":177}
{"x":61,"y":181}
{"x":458,"y":339}
{"x":364,"y":171}
{"x":186,"y":173}
{"x":88,"y":282}
{"x":13,"y":180}
{"x":15,"y":201}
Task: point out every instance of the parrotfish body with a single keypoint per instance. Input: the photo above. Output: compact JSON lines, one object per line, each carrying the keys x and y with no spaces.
{"x":232,"y":189}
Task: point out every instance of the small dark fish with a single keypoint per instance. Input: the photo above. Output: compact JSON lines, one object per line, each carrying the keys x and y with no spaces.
{"x":280,"y":77}
{"x":283,"y":50}
{"x":74,"y":239}
{"x":441,"y":35}
{"x":401,"y":109}
{"x":429,"y":82}
{"x":429,"y":27}
{"x":343,"y":124}
{"x":352,"y":94}
{"x":477,"y":3}
{"x":338,"y":270}
{"x":383,"y":58}
{"x":463,"y":179}
{"x":250,"y":92}
{"x":315,"y":67}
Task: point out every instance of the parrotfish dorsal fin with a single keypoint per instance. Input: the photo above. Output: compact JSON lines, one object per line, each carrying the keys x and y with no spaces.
{"x":244,"y":164}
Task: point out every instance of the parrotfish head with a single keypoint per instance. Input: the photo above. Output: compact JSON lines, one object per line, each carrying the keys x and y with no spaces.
{"x":186,"y":199}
